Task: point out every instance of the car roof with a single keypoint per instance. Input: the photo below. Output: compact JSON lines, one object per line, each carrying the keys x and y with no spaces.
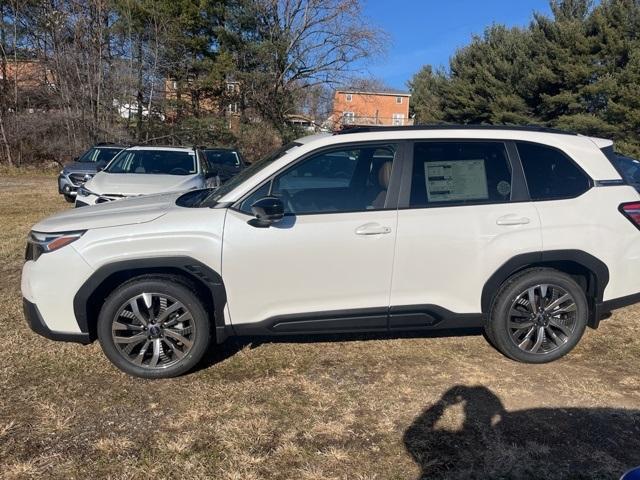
{"x":162,"y":149}
{"x":438,"y":126}
{"x":109,"y":145}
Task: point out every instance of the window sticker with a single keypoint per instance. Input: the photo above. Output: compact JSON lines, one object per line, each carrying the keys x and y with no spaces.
{"x":456,"y":180}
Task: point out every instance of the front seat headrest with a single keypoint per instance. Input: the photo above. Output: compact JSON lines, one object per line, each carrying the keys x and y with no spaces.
{"x":384,"y":174}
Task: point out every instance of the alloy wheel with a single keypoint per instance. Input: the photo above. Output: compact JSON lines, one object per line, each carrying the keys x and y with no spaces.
{"x":542,"y":319}
{"x":153,"y":330}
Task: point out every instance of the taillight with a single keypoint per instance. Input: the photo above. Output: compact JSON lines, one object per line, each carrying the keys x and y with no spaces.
{"x":632,"y":212}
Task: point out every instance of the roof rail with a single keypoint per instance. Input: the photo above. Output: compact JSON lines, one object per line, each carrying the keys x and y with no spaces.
{"x":159,"y":145}
{"x":110,"y":144}
{"x":385,"y":128}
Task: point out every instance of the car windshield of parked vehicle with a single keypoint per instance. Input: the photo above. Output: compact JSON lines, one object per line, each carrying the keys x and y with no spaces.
{"x":226,"y":158}
{"x":102,"y":155}
{"x":247,"y":173}
{"x":158,"y":162}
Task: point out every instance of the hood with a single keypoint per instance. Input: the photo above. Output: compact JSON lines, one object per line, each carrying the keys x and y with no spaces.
{"x":128,"y":211}
{"x":104,"y":183}
{"x":89,"y":167}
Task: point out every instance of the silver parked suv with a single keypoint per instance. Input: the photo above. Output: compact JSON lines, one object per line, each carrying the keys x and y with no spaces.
{"x":85,"y":167}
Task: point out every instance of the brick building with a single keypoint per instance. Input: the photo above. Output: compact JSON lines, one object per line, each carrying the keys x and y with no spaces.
{"x":370,"y":108}
{"x":28,"y":74}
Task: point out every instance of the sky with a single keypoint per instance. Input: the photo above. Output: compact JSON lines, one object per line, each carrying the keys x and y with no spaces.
{"x":429,"y":31}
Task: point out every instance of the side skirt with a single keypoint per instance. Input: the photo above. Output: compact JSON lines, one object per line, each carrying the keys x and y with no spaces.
{"x":382,"y":319}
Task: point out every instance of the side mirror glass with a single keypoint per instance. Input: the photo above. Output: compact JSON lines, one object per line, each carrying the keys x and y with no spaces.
{"x":267,"y":210}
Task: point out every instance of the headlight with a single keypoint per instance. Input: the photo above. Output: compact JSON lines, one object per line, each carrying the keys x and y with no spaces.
{"x":39,"y":243}
{"x":82,"y":191}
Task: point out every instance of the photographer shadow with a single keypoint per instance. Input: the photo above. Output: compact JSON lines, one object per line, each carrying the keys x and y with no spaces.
{"x":536,"y":443}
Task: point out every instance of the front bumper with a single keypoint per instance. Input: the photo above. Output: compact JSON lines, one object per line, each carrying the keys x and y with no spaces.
{"x":48,"y":286}
{"x":36,"y":323}
{"x":66,"y":186}
{"x":68,"y":183}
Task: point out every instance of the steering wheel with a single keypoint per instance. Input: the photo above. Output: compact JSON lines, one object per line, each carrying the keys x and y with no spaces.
{"x":286,"y":198}
{"x":178,"y":171}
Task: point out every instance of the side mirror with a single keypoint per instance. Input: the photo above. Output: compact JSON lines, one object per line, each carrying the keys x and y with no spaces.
{"x":75,"y":159}
{"x":267,"y":210}
{"x":211,"y":174}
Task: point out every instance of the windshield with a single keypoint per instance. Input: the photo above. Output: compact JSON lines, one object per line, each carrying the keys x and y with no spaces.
{"x":227,"y":158}
{"x":102,"y":155}
{"x":246,"y":174}
{"x":159,"y":162}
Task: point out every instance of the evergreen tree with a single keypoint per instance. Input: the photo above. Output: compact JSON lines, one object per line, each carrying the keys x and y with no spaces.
{"x":578,"y":70}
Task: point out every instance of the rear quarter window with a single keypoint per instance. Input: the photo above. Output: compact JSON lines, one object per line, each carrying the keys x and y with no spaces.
{"x":627,"y":167}
{"x":550,"y":173}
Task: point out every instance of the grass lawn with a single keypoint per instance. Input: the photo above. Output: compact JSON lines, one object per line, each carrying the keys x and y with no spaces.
{"x":341,"y":408}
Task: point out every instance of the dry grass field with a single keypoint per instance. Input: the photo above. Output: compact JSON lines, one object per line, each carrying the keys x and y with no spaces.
{"x":338,"y":408}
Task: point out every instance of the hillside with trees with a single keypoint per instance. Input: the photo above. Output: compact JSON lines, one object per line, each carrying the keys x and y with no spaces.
{"x":578,"y":70}
{"x":159,"y":71}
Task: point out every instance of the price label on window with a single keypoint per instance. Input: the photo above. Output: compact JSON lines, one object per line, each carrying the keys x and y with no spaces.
{"x":456,"y":180}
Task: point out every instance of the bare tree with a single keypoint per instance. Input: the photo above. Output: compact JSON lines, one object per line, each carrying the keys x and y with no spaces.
{"x":97,"y":58}
{"x":297,"y":44}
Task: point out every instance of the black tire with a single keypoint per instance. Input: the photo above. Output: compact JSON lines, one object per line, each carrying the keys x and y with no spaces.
{"x":560,"y":332}
{"x":69,"y":198}
{"x":171,"y":289}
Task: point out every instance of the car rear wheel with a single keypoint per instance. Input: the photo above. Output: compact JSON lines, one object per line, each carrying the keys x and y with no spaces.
{"x":154,"y":328}
{"x":538,"y":316}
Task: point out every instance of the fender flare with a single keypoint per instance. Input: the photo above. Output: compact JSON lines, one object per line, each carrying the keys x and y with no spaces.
{"x":518,"y":263}
{"x":187,"y":266}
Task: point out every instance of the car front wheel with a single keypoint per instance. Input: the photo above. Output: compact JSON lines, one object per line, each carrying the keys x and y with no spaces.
{"x":154,"y":327}
{"x":538,"y":316}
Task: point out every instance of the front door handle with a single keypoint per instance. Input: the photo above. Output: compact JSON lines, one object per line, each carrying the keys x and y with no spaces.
{"x":372,"y":229}
{"x":512,"y":219}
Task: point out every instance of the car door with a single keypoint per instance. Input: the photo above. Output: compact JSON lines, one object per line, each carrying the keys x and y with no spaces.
{"x":463,"y":213}
{"x":327,"y":265}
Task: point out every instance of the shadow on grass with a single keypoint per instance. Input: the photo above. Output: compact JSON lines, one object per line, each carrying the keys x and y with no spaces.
{"x":255,"y":342}
{"x":571,"y":443}
{"x":218,"y":353}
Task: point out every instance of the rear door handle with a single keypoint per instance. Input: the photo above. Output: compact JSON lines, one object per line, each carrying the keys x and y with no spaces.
{"x":372,"y":229}
{"x":512,"y":219}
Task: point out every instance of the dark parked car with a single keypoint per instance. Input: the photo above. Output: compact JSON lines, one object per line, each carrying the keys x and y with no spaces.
{"x":85,"y":167}
{"x":228,"y":162}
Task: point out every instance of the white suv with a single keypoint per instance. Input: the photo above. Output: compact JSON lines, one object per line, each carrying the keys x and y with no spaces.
{"x":529,"y":233}
{"x":144,"y":170}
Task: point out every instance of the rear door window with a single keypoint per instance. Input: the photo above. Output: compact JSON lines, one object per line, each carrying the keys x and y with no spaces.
{"x":550,"y":173}
{"x":460,"y":172}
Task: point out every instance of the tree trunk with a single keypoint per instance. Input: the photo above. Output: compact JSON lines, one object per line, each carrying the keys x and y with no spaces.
{"x":139,"y":95}
{"x":5,"y":142}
